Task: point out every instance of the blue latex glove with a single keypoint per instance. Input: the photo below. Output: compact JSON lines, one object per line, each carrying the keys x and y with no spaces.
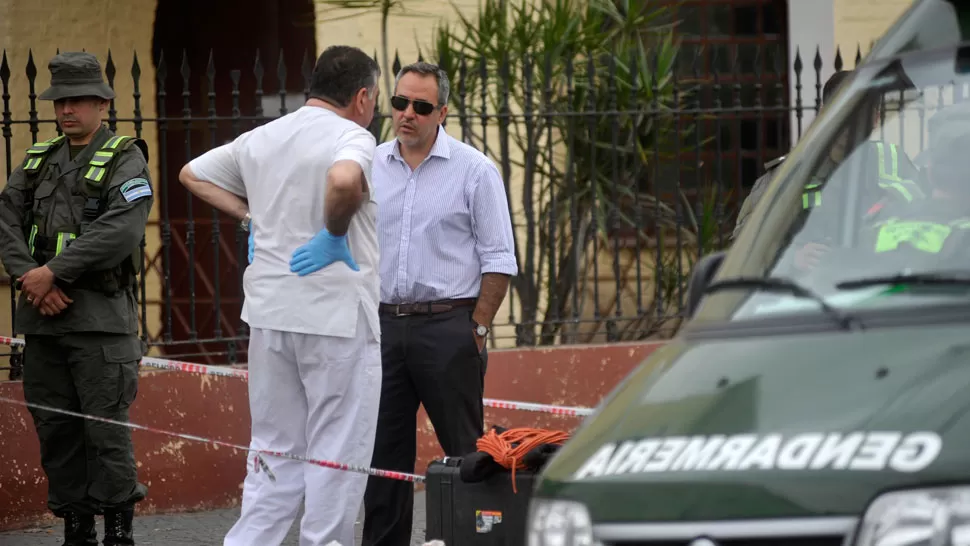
{"x":252,"y":242}
{"x":323,"y":250}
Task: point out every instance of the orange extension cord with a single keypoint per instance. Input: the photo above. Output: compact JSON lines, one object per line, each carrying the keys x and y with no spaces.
{"x":499,"y":446}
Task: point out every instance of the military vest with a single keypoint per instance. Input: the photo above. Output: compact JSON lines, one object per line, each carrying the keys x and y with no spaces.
{"x":888,"y":179}
{"x":44,"y":246}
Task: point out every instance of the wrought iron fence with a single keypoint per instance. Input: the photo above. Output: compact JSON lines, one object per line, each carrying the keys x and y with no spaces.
{"x":611,"y":205}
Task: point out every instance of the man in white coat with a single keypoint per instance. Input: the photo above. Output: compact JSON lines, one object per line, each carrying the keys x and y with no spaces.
{"x":311,"y":297}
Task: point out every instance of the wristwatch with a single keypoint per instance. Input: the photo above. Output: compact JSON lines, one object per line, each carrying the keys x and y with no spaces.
{"x":244,"y":223}
{"x":480,"y":330}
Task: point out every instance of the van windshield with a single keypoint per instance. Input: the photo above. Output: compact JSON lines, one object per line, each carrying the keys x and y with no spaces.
{"x":879,"y":191}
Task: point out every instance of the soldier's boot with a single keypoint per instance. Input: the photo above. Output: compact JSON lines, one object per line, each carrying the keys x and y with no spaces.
{"x":79,"y":530}
{"x":117,"y":527}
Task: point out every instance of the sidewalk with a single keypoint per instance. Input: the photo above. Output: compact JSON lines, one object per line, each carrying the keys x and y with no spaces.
{"x":194,"y":529}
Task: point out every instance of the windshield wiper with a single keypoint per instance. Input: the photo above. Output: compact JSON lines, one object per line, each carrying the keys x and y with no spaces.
{"x":929,"y":278}
{"x":779,"y":284}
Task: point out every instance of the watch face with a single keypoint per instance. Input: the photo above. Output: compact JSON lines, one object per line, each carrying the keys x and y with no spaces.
{"x":481,"y":330}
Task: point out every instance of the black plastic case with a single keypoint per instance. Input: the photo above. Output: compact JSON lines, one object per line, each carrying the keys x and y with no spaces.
{"x":486,"y":513}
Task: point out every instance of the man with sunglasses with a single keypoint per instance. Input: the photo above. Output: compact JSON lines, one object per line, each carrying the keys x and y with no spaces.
{"x":447,"y":254}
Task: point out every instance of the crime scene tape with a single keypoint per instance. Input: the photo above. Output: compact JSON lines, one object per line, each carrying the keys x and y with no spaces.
{"x":403,"y":476}
{"x":12,"y":341}
{"x":235,"y":372}
{"x":165,"y":364}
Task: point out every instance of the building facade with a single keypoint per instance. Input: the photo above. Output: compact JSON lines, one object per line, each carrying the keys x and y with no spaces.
{"x":187,"y":99}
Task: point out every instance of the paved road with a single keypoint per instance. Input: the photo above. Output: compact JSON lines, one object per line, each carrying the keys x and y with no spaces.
{"x":196,"y":529}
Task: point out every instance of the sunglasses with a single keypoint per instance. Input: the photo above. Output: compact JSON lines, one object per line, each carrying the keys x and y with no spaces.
{"x":422,"y":108}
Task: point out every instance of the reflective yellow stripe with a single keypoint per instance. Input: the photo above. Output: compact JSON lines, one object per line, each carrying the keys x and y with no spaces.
{"x":925,"y":236}
{"x":900,"y":187}
{"x":64,"y":239}
{"x":30,"y":240}
{"x":892,"y":179}
{"x":810,"y":189}
{"x":101,"y":158}
{"x":880,"y":150}
{"x":95,"y":173}
{"x":817,"y":200}
{"x":114,"y":142}
{"x":43,"y":146}
{"x":37,"y":152}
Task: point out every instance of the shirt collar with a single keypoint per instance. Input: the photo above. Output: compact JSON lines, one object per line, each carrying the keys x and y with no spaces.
{"x":441,"y":147}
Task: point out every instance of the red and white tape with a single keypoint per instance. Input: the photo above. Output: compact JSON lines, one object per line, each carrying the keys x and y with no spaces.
{"x":12,"y":341}
{"x":541,"y":408}
{"x":225,"y":371}
{"x":260,"y":453}
{"x":236,"y":372}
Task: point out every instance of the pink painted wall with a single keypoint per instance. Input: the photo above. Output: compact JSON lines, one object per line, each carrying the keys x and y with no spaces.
{"x":183,"y":475}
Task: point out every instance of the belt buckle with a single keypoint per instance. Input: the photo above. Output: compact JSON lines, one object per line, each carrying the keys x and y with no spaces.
{"x":397,"y":311}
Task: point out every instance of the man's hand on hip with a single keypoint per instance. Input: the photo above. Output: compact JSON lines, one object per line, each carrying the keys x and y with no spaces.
{"x":323,"y":250}
{"x":252,"y":242}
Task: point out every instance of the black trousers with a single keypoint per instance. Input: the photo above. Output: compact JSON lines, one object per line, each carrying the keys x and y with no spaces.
{"x":431,"y":360}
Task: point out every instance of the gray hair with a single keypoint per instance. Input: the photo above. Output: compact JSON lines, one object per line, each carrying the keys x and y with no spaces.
{"x":373,"y":84}
{"x":428,"y":69}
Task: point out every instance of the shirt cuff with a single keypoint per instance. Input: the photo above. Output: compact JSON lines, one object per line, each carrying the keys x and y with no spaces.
{"x":499,"y":263}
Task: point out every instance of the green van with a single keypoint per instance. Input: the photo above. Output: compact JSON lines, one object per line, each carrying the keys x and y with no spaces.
{"x":819,"y":395}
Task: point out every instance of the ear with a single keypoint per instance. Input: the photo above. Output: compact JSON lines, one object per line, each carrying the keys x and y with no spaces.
{"x":442,"y":114}
{"x":360,"y":101}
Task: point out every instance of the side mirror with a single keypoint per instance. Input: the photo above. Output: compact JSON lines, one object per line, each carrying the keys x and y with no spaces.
{"x":700,"y":277}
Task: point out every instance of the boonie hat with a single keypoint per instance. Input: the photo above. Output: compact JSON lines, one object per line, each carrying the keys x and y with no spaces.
{"x":76,"y":74}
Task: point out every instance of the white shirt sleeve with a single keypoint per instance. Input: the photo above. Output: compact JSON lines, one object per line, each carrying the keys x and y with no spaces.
{"x":358,"y":145}
{"x":219,"y":166}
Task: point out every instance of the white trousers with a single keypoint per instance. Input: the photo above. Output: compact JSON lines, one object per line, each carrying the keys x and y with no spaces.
{"x":315,"y":396}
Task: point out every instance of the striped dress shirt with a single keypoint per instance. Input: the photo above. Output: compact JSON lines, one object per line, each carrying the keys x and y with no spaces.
{"x":442,"y":225}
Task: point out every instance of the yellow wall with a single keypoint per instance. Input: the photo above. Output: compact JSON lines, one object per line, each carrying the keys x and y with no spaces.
{"x":405,"y":32}
{"x":860,"y":22}
{"x":43,"y":26}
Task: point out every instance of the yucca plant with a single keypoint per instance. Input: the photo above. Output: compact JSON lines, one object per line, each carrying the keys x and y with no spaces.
{"x":585,"y":90}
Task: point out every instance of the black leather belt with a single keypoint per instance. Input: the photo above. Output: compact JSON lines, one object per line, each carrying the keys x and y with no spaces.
{"x":425,"y":308}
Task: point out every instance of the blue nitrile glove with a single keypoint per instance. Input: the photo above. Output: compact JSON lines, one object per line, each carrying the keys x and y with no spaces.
{"x":323,"y":250}
{"x":252,"y":242}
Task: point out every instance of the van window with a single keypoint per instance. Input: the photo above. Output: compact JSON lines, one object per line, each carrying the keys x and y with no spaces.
{"x":885,"y":194}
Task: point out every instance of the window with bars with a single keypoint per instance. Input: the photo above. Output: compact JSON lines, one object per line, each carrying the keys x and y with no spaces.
{"x":734,"y":60}
{"x":737,"y":51}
